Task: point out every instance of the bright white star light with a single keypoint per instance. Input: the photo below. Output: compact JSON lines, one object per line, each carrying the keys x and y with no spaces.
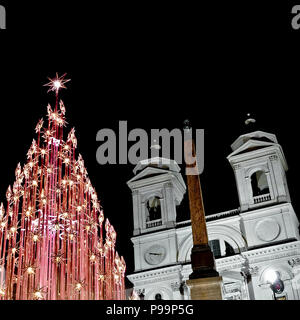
{"x":57,"y":83}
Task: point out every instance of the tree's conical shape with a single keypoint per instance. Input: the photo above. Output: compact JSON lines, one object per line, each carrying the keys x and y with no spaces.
{"x":53,"y":245}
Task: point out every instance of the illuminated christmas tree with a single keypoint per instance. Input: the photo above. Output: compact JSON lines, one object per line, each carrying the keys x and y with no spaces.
{"x":54,"y":244}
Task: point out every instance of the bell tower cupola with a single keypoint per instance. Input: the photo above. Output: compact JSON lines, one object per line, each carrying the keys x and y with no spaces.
{"x":260,"y":169}
{"x":157,"y":189}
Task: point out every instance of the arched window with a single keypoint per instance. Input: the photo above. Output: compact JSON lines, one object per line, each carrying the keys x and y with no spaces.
{"x":158,"y":297}
{"x":221,"y":248}
{"x":259,"y":183}
{"x":154,"y":209}
{"x":229,"y":251}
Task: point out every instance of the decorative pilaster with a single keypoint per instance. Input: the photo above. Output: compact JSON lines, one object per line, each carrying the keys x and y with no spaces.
{"x":170,"y":205}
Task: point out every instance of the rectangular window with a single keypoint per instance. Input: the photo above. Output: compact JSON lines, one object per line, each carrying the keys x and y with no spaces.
{"x":215,"y":247}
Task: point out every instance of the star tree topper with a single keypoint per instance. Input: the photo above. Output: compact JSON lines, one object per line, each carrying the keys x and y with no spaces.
{"x":57,"y":83}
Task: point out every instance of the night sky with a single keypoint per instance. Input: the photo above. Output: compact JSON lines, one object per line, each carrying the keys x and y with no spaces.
{"x":214,"y":78}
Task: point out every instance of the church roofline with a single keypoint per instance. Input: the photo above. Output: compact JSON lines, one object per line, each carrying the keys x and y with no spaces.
{"x":256,"y":134}
{"x":236,"y":157}
{"x":157,"y":162}
{"x":141,"y":181}
{"x":252,"y":145}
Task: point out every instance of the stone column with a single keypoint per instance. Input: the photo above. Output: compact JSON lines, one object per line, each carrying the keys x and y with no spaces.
{"x":205,"y":282}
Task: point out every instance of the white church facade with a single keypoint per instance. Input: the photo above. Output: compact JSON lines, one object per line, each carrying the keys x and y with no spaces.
{"x":257,"y":246}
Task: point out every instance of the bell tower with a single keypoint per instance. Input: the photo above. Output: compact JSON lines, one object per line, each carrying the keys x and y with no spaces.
{"x":259,"y":165}
{"x":157,"y":189}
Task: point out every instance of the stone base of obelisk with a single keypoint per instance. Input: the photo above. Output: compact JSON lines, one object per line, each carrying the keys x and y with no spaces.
{"x":205,"y":288}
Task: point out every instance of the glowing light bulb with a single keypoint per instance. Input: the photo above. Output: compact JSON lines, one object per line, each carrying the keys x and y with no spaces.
{"x":13,"y":229}
{"x":57,"y":83}
{"x":13,"y":250}
{"x":101,"y":277}
{"x":2,"y":292}
{"x":30,"y":270}
{"x":28,"y":212}
{"x":271,"y":276}
{"x":54,"y":116}
{"x":60,"y":121}
{"x":65,"y":215}
{"x":117,"y":277}
{"x":101,"y":218}
{"x":58,"y":259}
{"x":35,"y":238}
{"x":38,"y":295}
{"x":78,"y":286}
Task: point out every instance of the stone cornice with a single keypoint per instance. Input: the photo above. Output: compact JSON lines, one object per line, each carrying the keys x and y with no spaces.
{"x":157,"y":275}
{"x":259,"y":255}
{"x":242,"y":139}
{"x":160,"y":234}
{"x":255,"y":154}
{"x":161,"y":177}
{"x":274,"y":209}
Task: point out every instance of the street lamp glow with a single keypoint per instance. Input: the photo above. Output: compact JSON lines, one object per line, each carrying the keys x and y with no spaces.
{"x":271,"y":276}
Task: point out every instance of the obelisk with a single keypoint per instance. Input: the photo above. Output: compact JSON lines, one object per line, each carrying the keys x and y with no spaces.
{"x":205,"y":282}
